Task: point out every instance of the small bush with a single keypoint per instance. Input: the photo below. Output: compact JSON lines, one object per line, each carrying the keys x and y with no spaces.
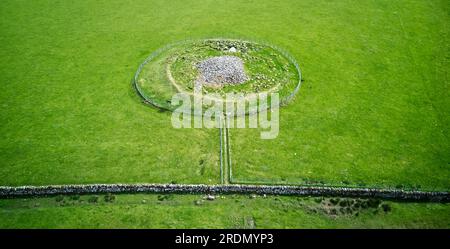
{"x":348,"y":210}
{"x":333,"y":211}
{"x":75,"y":197}
{"x":364,"y":204}
{"x":109,"y":197}
{"x":373,"y":203}
{"x":59,"y":198}
{"x":334,"y":201}
{"x":358,"y":203}
{"x":344,"y":203}
{"x":93,"y":199}
{"x":386,"y":208}
{"x":338,"y":200}
{"x":399,"y":186}
{"x":164,"y":197}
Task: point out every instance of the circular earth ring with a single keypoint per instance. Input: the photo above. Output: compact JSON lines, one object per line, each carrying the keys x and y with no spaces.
{"x":283,"y":102}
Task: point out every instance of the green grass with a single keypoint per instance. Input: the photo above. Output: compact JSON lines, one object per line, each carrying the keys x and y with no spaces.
{"x":373,"y":109}
{"x":69,"y":113}
{"x":229,"y":211}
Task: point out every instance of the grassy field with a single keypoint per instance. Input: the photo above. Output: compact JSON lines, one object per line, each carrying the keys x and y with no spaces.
{"x":69,"y":113}
{"x":372,"y":111}
{"x":229,"y":211}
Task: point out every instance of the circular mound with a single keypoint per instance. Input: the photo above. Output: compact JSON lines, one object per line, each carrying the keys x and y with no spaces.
{"x":217,"y":67}
{"x":222,"y":70}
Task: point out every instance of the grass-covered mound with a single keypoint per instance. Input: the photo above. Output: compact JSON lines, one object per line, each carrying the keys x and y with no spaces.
{"x":182,"y":67}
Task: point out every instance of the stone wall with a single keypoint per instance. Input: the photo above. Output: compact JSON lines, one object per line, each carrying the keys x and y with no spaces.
{"x":6,"y":191}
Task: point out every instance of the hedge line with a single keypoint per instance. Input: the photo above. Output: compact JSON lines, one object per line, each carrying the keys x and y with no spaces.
{"x":7,"y":191}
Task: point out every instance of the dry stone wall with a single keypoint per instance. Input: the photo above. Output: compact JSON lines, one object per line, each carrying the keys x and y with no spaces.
{"x":6,"y":191}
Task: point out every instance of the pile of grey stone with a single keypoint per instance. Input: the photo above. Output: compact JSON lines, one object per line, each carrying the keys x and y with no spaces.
{"x":222,"y":70}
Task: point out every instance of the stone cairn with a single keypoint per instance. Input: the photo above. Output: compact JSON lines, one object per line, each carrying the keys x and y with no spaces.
{"x":222,"y":70}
